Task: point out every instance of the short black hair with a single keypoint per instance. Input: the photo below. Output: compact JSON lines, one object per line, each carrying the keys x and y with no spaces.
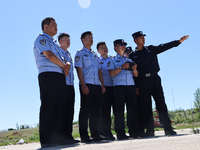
{"x":99,"y":44}
{"x":83,"y":35}
{"x":61,"y":35}
{"x":46,"y":21}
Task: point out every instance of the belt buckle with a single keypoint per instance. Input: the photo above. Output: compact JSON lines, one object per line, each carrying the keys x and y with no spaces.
{"x":148,"y":74}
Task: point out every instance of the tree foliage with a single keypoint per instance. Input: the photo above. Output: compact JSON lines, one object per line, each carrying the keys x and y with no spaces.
{"x":197,"y":100}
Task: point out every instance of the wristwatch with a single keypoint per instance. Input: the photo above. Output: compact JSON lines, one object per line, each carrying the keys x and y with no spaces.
{"x":121,"y":67}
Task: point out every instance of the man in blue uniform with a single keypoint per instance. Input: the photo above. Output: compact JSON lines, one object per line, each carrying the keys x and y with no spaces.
{"x":108,"y":97}
{"x":52,"y":71}
{"x":124,"y":87}
{"x":90,"y":76}
{"x":149,"y":83}
{"x":64,"y":41}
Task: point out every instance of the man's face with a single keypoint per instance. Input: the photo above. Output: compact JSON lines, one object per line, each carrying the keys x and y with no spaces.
{"x":65,"y":42}
{"x":51,"y":29}
{"x":103,"y":50}
{"x":120,"y":48}
{"x":127,"y":54}
{"x":88,"y":40}
{"x":140,"y":40}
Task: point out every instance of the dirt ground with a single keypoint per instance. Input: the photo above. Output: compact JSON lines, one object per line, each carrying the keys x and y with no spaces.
{"x":184,"y":140}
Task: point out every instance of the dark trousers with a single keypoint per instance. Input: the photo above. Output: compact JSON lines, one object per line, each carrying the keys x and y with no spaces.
{"x":69,"y":111}
{"x":53,"y":95}
{"x":125,"y":94}
{"x":151,"y":86}
{"x":89,"y":111}
{"x":106,"y":103}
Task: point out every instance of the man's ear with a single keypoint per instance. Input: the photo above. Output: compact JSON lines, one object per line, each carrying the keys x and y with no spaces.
{"x":45,"y":26}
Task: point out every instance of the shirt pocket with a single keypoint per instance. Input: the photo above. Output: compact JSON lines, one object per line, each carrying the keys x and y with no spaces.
{"x":87,"y":61}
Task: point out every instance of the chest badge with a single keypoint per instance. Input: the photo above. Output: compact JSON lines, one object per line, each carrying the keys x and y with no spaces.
{"x":86,"y":55}
{"x":101,"y":63}
{"x":108,"y":64}
{"x":118,"y":61}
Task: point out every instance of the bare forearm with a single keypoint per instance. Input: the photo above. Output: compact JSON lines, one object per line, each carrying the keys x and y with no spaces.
{"x":135,"y":73}
{"x":114,"y":72}
{"x":80,"y":75}
{"x":101,"y":77}
{"x":53,"y":58}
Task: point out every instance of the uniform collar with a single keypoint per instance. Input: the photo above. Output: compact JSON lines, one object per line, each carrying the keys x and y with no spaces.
{"x":63,"y":51}
{"x":101,"y":58}
{"x":87,"y":50}
{"x":49,"y":37}
{"x":139,"y":50}
{"x":119,"y":56}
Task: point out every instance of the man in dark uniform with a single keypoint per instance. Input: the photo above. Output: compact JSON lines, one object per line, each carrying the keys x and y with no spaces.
{"x":149,"y":83}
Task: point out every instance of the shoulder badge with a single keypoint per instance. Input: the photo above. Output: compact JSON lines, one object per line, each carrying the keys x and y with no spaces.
{"x":43,"y":42}
{"x":77,"y":58}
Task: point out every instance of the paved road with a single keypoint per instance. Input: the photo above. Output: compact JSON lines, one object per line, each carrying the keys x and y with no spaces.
{"x":185,"y":140}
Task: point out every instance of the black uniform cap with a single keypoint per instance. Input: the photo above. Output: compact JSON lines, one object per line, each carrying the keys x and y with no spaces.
{"x":138,"y":34}
{"x":128,"y":49}
{"x":119,"y":41}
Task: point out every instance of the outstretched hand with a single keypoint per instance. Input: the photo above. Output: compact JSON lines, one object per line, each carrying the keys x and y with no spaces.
{"x":183,"y":38}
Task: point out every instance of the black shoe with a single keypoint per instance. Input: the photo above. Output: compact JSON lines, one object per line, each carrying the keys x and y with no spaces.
{"x":49,"y":145}
{"x":66,"y":142}
{"x":77,"y":141}
{"x":170,"y":132}
{"x":142,"y":134}
{"x":133,"y":135}
{"x":149,"y":134}
{"x":98,"y":138}
{"x":86,"y":140}
{"x":122,"y":137}
{"x":110,"y":138}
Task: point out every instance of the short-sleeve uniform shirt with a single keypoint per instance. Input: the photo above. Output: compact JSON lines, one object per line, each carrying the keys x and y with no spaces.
{"x":70,"y":77}
{"x":104,"y":69}
{"x":42,"y":43}
{"x":88,"y":61}
{"x":124,"y":77}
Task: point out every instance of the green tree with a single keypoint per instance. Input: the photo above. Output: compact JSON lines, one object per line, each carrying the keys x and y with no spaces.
{"x":197,"y":100}
{"x":197,"y":103}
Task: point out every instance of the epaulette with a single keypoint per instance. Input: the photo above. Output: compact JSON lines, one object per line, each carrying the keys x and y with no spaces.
{"x":110,"y":56}
{"x":79,"y":50}
{"x":148,"y":46}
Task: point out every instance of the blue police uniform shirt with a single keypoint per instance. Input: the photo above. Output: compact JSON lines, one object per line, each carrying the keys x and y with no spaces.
{"x":87,"y":60}
{"x":124,"y":77}
{"x":45,"y":42}
{"x":104,"y":69}
{"x":70,"y":77}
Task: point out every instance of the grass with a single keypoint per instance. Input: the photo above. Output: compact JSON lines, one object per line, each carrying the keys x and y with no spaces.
{"x":32,"y":135}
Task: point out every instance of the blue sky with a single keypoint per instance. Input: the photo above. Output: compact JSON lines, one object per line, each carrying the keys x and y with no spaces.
{"x":162,"y":21}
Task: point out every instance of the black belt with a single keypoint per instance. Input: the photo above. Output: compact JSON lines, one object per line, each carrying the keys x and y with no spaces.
{"x":148,"y":74}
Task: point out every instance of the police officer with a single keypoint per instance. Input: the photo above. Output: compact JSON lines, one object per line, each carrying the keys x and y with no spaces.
{"x":124,"y":86}
{"x":108,"y":97}
{"x":52,"y":69}
{"x":64,"y":41}
{"x":128,"y":51}
{"x":149,"y":82}
{"x":90,"y":76}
